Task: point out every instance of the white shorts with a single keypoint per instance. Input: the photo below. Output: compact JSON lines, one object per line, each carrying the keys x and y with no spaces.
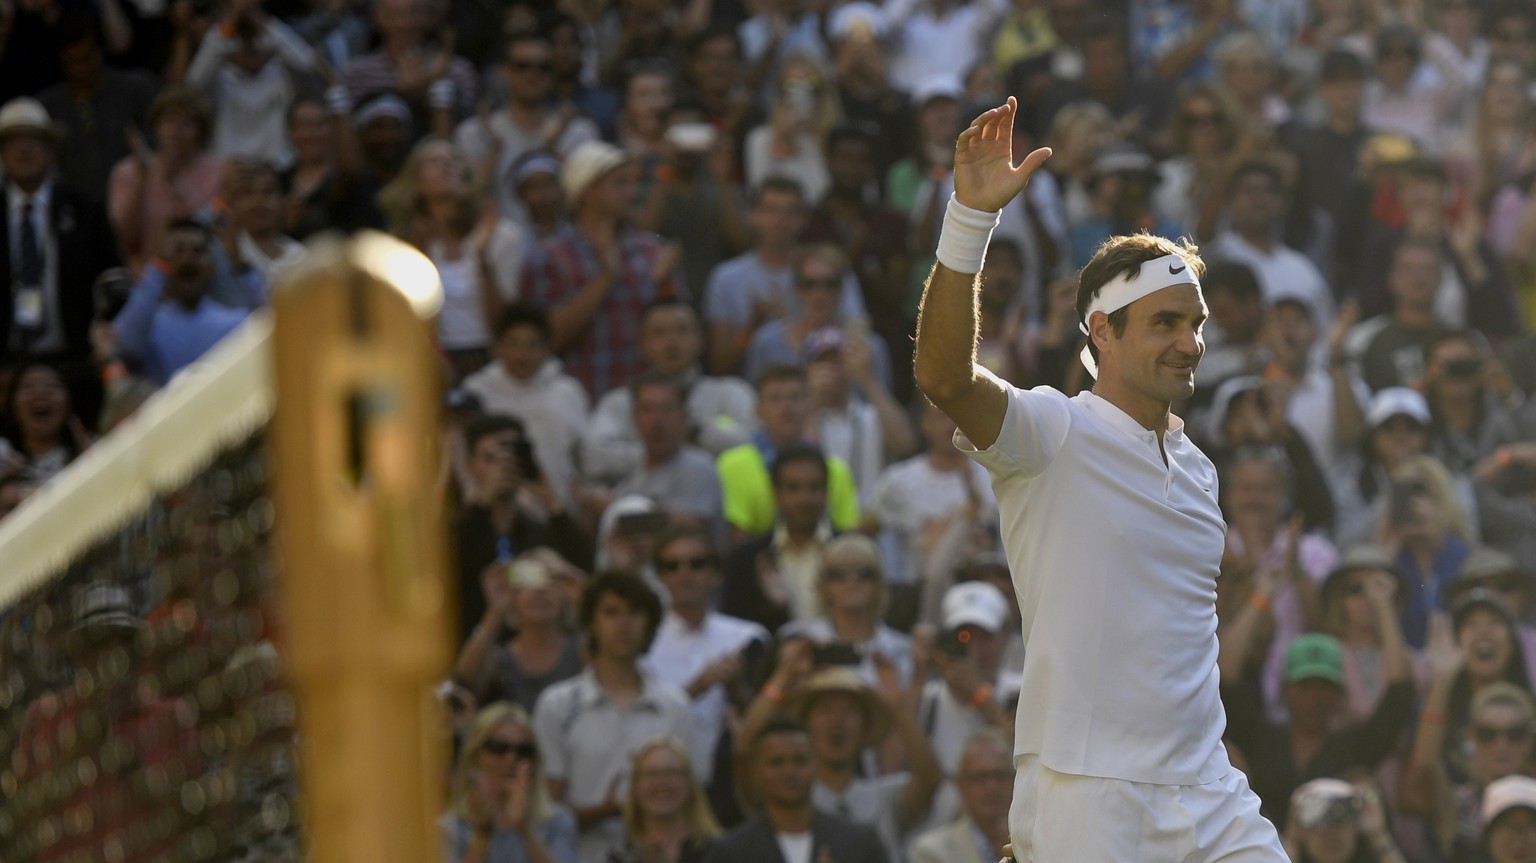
{"x":1061,"y":818}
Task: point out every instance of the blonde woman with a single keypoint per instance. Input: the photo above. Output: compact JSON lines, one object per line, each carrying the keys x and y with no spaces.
{"x":852,"y":595}
{"x":666,"y":816}
{"x":435,"y":205}
{"x":1201,"y":136}
{"x":500,"y":810}
{"x":1427,"y":532}
{"x":1077,"y":133}
{"x":792,"y":143}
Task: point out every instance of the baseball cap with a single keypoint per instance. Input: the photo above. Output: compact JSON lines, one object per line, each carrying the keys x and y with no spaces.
{"x":387,"y":105}
{"x":1312,"y":656}
{"x":1502,"y":795}
{"x":1326,"y":803}
{"x":975,"y":603}
{"x":937,"y":87}
{"x":1124,"y":158}
{"x":587,"y":164}
{"x":1397,"y":401}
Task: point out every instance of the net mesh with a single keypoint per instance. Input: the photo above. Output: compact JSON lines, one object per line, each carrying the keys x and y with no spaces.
{"x":144,"y":702}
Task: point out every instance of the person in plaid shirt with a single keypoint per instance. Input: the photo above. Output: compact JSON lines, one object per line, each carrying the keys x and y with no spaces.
{"x":597,"y":278}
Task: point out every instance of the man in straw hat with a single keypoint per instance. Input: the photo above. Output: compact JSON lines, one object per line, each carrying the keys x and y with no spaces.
{"x":1110,"y":520}
{"x":845,"y":717}
{"x":55,"y":242}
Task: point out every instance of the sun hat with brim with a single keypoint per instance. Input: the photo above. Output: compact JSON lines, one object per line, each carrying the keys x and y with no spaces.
{"x":1502,"y":795}
{"x":839,"y":679}
{"x":585,"y":165}
{"x":1314,"y":656}
{"x":26,"y":116}
{"x":1484,"y":562}
{"x":1480,"y":597}
{"x":1360,"y":557}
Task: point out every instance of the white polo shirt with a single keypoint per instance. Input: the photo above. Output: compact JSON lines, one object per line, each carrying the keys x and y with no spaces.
{"x":1115,"y":557}
{"x":680,"y":653}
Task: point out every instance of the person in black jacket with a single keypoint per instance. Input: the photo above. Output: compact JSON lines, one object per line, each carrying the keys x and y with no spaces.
{"x":500,"y":517}
{"x":764,"y":574}
{"x":1281,"y":757}
{"x":789,"y":829}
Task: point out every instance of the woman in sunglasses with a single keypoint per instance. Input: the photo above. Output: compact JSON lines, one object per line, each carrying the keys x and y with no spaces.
{"x":500,"y":810}
{"x":1498,"y":736}
{"x":666,"y":818}
{"x":851,"y":585}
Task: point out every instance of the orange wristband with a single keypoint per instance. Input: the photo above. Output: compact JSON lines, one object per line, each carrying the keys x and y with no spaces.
{"x":112,"y":371}
{"x":773,"y":693}
{"x":981,"y":696}
{"x":1259,"y":601}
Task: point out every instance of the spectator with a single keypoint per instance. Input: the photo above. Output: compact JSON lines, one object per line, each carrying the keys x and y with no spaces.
{"x":916,"y":498}
{"x":521,"y":598}
{"x":384,"y":135}
{"x":1508,"y":818}
{"x":937,"y":104}
{"x":1328,"y":154}
{"x":177,"y":311}
{"x":984,"y":778}
{"x":1237,"y":321}
{"x":845,"y":715}
{"x":597,"y":278}
{"x":39,"y":432}
{"x":1256,"y":204}
{"x":1388,"y":350}
{"x":1498,"y":738}
{"x":525,"y":382}
{"x":589,"y":727}
{"x":642,"y":123}
{"x":95,"y":105}
{"x":1282,"y":756}
{"x":1175,"y":38}
{"x":1351,"y":614}
{"x":56,"y":242}
{"x":852,"y":414}
{"x":1124,"y":178}
{"x":678,"y":477}
{"x":1248,"y":418}
{"x":251,"y":67}
{"x":715,"y":79}
{"x":1397,"y":429}
{"x":666,"y":818}
{"x":1427,"y":530}
{"x":722,"y":410}
{"x":505,"y":512}
{"x":1336,"y":822}
{"x":707,"y":654}
{"x":936,"y":37}
{"x":1469,"y":421}
{"x":567,"y":48}
{"x":757,"y":286}
{"x":695,"y":174}
{"x":1492,"y":570}
{"x":967,"y":695}
{"x":406,"y":64}
{"x":1244,"y":67}
{"x":536,"y":182}
{"x":1203,"y":133}
{"x":255,"y":200}
{"x":150,"y":190}
{"x":1107,"y":79}
{"x":1078,"y":132}
{"x":530,"y":121}
{"x":864,"y":86}
{"x":782,"y":409}
{"x":326,"y":187}
{"x":843,"y":606}
{"x":821,"y":276}
{"x":790,"y":143}
{"x":501,"y":811}
{"x":763,"y":572}
{"x":1413,"y":105}
{"x":789,"y":826}
{"x":434,"y":205}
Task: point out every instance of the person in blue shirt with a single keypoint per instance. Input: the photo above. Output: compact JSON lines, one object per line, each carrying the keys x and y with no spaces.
{"x":184,"y":303}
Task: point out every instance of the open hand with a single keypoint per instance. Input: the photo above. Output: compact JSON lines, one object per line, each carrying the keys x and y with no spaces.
{"x":985,"y":177}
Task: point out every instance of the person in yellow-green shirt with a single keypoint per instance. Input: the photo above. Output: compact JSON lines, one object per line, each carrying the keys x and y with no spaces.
{"x":782,"y":408}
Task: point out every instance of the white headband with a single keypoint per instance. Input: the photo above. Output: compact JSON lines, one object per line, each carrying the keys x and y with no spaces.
{"x":1152,"y":276}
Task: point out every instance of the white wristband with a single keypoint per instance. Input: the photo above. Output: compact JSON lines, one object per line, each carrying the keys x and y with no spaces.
{"x":963,"y":239}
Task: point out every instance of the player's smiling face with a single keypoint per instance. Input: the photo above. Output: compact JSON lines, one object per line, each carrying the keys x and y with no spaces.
{"x":1162,"y":344}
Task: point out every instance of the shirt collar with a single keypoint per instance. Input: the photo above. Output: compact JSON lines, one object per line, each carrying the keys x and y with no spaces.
{"x":15,"y":197}
{"x":822,"y":536}
{"x":590,"y":693}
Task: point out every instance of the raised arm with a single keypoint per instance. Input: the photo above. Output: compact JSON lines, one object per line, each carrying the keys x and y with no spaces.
{"x":945,"y":364}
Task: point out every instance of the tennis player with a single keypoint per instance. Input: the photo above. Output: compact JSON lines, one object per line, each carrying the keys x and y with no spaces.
{"x":1114,"y":538}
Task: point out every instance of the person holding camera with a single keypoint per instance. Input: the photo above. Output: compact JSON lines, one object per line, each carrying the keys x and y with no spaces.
{"x":1509,"y":820}
{"x":967,"y":696}
{"x":852,"y":595}
{"x":1426,"y":529}
{"x":1337,"y":822}
{"x":525,"y":599}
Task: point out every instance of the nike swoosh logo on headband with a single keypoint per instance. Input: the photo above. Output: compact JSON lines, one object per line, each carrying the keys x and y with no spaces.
{"x":1174,"y":271}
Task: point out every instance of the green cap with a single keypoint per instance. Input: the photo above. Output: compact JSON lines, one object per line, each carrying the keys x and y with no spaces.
{"x":1314,"y":655}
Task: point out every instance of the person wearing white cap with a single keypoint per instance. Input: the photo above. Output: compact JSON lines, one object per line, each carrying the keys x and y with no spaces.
{"x":54,"y":242}
{"x":597,"y":278}
{"x":1112,"y":530}
{"x":967,"y":694}
{"x":1509,"y":820}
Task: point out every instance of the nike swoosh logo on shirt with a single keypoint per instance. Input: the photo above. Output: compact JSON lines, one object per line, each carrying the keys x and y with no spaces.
{"x":1175,"y":270}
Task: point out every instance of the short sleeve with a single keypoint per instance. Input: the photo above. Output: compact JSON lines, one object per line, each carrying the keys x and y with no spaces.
{"x":1034,"y":427}
{"x":724,"y":301}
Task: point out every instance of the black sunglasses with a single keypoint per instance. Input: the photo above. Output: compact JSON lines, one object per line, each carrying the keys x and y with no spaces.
{"x":1514,"y":733}
{"x":524,"y":751}
{"x":528,"y":66}
{"x":848,"y":573}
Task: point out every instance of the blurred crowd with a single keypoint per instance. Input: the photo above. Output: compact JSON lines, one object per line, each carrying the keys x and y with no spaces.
{"x":728,"y":591}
